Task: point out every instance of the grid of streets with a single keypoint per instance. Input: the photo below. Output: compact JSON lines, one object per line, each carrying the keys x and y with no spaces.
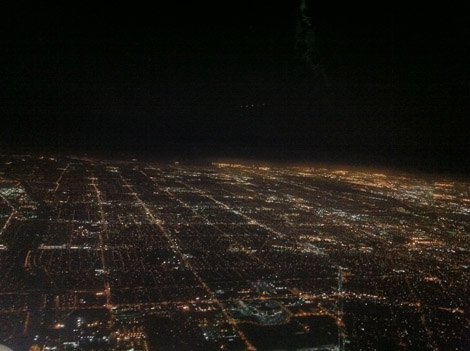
{"x":129,"y":255}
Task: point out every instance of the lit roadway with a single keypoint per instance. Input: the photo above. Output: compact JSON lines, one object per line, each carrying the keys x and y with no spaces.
{"x":57,"y":183}
{"x":12,"y":213}
{"x":103,"y":232}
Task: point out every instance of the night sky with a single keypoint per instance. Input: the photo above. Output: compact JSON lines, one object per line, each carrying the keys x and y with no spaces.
{"x":357,"y":84}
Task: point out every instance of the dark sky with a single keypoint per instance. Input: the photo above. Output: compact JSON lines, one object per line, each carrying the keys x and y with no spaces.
{"x":383,"y":84}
